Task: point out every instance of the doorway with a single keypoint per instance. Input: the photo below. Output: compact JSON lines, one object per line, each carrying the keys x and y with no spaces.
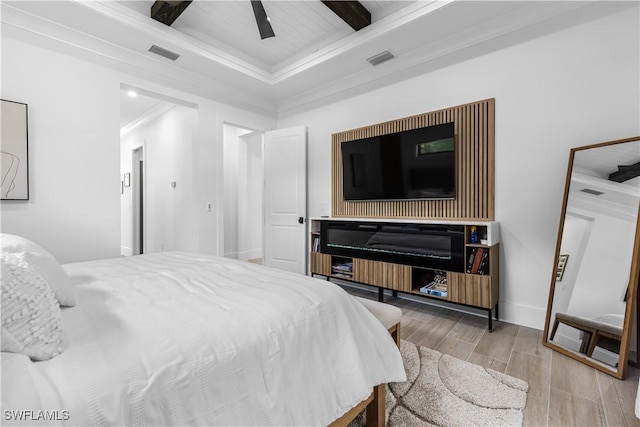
{"x":137,"y":184}
{"x":156,"y":166}
{"x":243,"y":193}
{"x":264,"y":196}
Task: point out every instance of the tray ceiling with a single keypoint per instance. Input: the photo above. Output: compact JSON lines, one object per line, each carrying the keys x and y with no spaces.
{"x":301,"y":27}
{"x":315,"y":58}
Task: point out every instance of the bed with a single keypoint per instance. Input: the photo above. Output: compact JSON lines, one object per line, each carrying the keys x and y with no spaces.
{"x":179,"y":338}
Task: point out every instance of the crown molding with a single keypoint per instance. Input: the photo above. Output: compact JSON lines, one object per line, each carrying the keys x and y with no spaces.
{"x":170,"y":36}
{"x":24,"y":26}
{"x":360,"y":38}
{"x":147,"y":117}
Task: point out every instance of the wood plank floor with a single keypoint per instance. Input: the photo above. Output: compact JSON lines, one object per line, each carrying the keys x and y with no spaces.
{"x":562,"y":391}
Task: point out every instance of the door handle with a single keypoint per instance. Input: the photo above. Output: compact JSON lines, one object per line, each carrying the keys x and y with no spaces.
{"x":301,"y":220}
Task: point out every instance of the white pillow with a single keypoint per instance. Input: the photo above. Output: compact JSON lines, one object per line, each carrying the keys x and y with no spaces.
{"x":31,"y":317}
{"x":44,"y":262}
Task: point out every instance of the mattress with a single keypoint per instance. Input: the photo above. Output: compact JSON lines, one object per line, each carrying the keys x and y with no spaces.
{"x":178,"y":338}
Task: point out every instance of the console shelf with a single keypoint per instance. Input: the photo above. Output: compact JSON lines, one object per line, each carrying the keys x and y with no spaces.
{"x":470,"y":277}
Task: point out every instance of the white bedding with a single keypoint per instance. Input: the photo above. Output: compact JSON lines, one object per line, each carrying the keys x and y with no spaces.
{"x":189,"y":339}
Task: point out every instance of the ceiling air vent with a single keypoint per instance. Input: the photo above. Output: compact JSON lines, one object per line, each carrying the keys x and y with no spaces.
{"x":380,"y":58}
{"x":164,"y":52}
{"x":590,"y":191}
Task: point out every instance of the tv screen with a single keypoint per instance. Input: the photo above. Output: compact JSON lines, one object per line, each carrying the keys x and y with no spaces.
{"x":414,"y":164}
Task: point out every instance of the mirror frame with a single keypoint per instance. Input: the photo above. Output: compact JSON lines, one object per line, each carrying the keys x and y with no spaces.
{"x":632,"y":295}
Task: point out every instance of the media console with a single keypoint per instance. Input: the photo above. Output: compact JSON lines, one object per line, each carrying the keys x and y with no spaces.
{"x":452,"y":261}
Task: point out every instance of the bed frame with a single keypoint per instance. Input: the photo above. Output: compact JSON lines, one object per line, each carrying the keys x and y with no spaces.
{"x":375,"y":403}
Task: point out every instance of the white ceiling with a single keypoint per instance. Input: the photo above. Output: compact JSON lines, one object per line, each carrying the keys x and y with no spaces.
{"x":591,"y":169}
{"x":301,"y":27}
{"x":133,"y":108}
{"x":315,"y":57}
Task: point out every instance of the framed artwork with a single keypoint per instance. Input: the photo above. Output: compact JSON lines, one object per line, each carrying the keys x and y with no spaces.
{"x":14,"y":167}
{"x":127,"y":179}
{"x":562,"y":263}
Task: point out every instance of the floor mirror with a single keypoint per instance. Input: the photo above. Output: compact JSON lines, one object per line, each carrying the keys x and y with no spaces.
{"x":591,"y":314}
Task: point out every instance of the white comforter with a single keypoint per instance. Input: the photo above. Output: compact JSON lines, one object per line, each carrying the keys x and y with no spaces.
{"x":188,"y":339}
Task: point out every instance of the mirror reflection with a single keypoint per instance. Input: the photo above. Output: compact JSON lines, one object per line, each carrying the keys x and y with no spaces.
{"x":592,"y":278}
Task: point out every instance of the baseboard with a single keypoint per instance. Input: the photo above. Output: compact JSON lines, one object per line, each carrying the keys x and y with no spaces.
{"x":523,"y":315}
{"x":124,"y":251}
{"x":250,"y":254}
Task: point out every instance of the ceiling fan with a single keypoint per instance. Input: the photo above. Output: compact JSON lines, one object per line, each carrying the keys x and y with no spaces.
{"x":351,"y":12}
{"x":262,"y":19}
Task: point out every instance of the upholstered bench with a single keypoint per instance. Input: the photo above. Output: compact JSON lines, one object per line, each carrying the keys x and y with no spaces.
{"x":387,"y":314}
{"x":603,"y":331}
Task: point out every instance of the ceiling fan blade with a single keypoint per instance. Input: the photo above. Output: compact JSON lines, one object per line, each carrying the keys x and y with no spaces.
{"x":168,"y":11}
{"x":264,"y":26}
{"x":351,"y":12}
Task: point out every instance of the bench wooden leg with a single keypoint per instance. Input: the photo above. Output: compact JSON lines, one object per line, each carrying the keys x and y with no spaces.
{"x":395,"y":333}
{"x":375,"y":409}
{"x":556,"y":323}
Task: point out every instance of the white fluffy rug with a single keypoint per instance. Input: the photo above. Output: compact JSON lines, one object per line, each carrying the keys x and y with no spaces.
{"x":444,"y":391}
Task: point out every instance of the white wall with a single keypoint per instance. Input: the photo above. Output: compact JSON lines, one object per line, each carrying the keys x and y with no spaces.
{"x":250,"y":188}
{"x":129,"y":143}
{"x":242,"y":193}
{"x":594,"y":240}
{"x":575,"y":87}
{"x":231,"y":145}
{"x":600,"y":291}
{"x":74,"y":155}
{"x":74,"y":150}
{"x":575,"y":236}
{"x":168,"y":145}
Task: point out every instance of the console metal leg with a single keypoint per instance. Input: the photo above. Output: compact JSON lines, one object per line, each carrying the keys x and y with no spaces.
{"x":394,"y":293}
{"x":380,"y":294}
{"x":490,"y":322}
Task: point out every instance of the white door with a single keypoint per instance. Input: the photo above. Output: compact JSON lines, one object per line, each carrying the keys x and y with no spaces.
{"x":285,"y":198}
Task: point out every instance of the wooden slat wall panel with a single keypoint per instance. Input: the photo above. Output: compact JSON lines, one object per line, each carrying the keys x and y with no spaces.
{"x":475,"y":161}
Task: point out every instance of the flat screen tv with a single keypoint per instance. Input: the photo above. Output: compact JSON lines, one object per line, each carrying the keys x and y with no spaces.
{"x":414,"y":164}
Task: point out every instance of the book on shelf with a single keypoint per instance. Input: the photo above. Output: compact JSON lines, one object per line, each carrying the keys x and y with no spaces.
{"x":472,"y":256}
{"x":345,"y":268}
{"x":475,"y":258}
{"x":484,"y":263}
{"x":316,"y":244}
{"x":436,"y":289}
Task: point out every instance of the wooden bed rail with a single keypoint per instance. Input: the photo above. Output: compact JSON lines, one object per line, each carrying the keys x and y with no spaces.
{"x":374,"y":405}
